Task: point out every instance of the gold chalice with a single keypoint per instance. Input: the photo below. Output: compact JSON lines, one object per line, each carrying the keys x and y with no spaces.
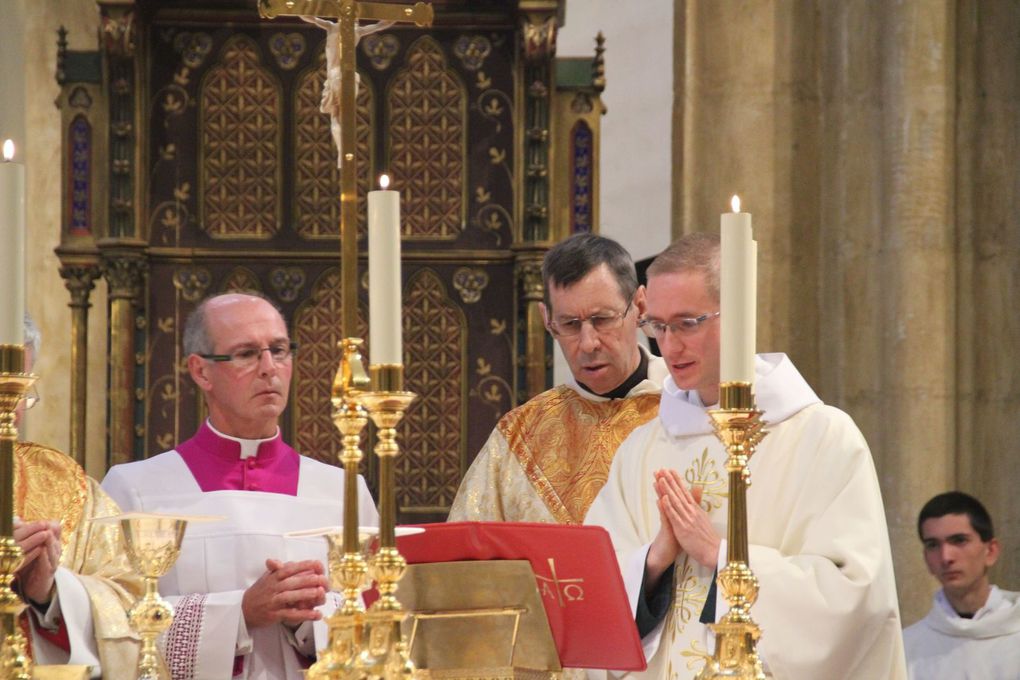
{"x":153,"y":543}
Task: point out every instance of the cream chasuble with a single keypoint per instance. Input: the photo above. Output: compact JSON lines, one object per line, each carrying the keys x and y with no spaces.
{"x":219,"y":560}
{"x":946,"y":646}
{"x":818,"y":540}
{"x":95,"y":584}
{"x":548,"y":458}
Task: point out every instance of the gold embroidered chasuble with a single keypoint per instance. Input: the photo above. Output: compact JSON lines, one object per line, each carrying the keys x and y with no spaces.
{"x":547,"y":459}
{"x":50,"y":485}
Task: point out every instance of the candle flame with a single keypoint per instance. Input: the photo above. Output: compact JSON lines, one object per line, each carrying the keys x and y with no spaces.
{"x":384,"y":181}
{"x":8,"y":150}
{"x":735,"y":203}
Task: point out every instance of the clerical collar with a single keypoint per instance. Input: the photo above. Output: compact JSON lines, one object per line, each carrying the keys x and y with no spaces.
{"x":249,"y":447}
{"x":624,"y":388}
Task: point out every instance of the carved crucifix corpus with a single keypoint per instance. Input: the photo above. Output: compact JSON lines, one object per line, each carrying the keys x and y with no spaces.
{"x":347,"y":14}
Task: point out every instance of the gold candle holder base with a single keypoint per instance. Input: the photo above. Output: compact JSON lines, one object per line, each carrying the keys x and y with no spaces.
{"x":738,"y":425}
{"x":14,"y":384}
{"x":153,"y":544}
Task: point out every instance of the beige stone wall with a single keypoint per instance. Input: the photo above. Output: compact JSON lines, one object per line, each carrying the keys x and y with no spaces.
{"x":47,"y":298}
{"x":876,"y":145}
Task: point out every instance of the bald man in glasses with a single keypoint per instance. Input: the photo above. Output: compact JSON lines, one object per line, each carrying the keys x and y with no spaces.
{"x":547,"y":459}
{"x":245,"y":595}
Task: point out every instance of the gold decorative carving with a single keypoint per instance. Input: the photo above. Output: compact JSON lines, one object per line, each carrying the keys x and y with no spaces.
{"x":530,"y":275}
{"x":470,"y":282}
{"x":317,"y":333}
{"x":317,"y":179}
{"x":239,"y":280}
{"x":192,"y":282}
{"x":80,"y":98}
{"x":539,"y":39}
{"x":287,"y":282}
{"x":124,"y":273}
{"x":193,"y":47}
{"x":582,"y":103}
{"x":287,"y":49}
{"x":240,"y":109}
{"x":117,"y":30}
{"x":427,"y":113}
{"x":472,"y":50}
{"x":380,"y":49}
{"x":79,"y":281}
{"x":435,"y":331}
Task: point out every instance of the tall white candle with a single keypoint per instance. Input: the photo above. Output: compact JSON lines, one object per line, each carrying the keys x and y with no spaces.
{"x":12,"y":248}
{"x":384,"y":310}
{"x":737,"y":341}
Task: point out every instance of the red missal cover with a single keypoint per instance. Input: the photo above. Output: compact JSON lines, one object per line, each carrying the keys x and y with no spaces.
{"x":577,"y":576}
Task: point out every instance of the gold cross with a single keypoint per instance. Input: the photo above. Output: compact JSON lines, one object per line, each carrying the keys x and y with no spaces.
{"x":348,"y":13}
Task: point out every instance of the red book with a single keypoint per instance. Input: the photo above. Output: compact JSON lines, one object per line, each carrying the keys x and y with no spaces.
{"x":576,"y":573}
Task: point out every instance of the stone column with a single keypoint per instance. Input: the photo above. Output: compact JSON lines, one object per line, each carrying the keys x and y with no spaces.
{"x":835,"y":123}
{"x":988,"y":326}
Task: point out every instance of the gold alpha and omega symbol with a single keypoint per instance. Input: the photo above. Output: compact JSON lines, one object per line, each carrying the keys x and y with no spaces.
{"x":564,"y":590}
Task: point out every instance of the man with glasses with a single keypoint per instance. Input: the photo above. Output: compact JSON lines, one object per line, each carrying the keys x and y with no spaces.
{"x":547,"y":459}
{"x":245,"y":594}
{"x":817,"y":535}
{"x":75,"y":577}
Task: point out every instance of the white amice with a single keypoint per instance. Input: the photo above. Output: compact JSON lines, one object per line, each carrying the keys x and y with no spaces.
{"x":946,"y":646}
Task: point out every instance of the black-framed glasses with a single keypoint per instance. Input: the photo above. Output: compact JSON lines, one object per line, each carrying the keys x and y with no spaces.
{"x":248,"y":357}
{"x":601,"y":322}
{"x":684,"y":326}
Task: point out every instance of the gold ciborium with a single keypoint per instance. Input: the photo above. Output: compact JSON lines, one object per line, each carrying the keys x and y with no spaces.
{"x":738,"y":425}
{"x":153,"y":544}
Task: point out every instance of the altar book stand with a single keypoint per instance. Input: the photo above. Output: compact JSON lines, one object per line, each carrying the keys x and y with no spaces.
{"x":477,"y":620}
{"x":515,"y":600}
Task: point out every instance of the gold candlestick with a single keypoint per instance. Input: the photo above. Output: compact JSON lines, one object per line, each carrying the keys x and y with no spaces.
{"x":153,"y":544}
{"x":738,"y":425}
{"x":14,"y":384}
{"x":385,"y":652}
{"x":347,"y":565}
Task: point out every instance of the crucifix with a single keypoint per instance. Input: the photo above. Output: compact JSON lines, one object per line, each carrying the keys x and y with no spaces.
{"x":347,"y":14}
{"x":362,"y":644}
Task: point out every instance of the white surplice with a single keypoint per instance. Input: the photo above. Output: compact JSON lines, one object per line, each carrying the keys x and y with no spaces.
{"x":817,"y":534}
{"x":219,"y":560}
{"x":946,"y":646}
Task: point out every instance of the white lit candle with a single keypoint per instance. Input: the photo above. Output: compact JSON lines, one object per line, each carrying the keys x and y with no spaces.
{"x":384,"y":310}
{"x":12,"y":248}
{"x":737,"y":293}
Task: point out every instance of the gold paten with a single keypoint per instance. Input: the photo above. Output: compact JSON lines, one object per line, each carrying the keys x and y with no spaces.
{"x":14,"y":383}
{"x":477,"y":619}
{"x":738,"y":425}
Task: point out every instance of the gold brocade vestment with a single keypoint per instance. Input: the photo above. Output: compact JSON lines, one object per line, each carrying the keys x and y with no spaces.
{"x":49,"y":485}
{"x":547,"y":459}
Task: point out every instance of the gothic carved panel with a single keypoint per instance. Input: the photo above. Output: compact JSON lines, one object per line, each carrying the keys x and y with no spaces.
{"x":317,"y":177}
{"x":432,"y":433}
{"x":427,"y":113}
{"x":241,"y":109}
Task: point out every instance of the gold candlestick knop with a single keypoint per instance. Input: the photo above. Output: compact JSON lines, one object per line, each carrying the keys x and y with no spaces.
{"x":14,"y":384}
{"x":738,"y":425}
